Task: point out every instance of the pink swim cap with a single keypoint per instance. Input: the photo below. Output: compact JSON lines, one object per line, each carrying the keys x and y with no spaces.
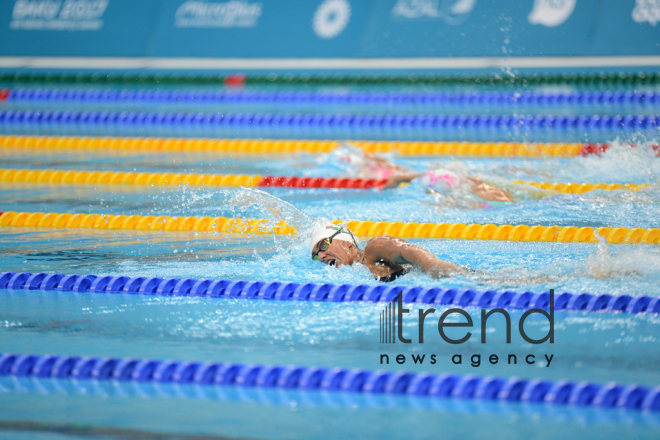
{"x":442,"y":181}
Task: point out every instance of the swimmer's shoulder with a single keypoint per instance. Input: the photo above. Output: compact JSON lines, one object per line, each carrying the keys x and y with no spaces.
{"x":379,"y":246}
{"x":383,"y":240}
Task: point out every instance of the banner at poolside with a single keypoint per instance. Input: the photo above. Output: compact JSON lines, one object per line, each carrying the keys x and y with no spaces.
{"x":328,"y":28}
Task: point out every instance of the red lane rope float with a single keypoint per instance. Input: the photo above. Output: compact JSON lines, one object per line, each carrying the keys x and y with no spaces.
{"x":598,"y":149}
{"x":319,"y":182}
{"x":237,"y":80}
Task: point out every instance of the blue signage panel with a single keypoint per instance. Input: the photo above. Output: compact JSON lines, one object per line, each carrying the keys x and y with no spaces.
{"x":76,"y":27}
{"x":329,"y":28}
{"x":261,"y":29}
{"x":628,"y":28}
{"x":459,"y":28}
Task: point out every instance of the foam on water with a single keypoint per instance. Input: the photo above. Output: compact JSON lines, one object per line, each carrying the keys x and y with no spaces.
{"x":621,"y":163}
{"x":629,"y":262}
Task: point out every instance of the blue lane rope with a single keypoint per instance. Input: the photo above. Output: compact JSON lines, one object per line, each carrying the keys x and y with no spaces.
{"x":490,"y":388}
{"x":279,"y":396}
{"x":290,"y":291}
{"x":94,"y":96}
{"x":9,"y":118}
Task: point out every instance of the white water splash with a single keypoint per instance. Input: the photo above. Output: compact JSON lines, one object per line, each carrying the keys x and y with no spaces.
{"x":275,"y":208}
{"x":628,"y":262}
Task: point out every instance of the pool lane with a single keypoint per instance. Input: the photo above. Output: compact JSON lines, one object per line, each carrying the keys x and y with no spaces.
{"x":598,"y":208}
{"x":535,"y":266}
{"x":600,"y":347}
{"x":62,"y":408}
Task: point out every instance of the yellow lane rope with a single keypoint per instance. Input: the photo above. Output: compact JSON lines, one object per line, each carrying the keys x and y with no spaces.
{"x":142,"y":222}
{"x":579,"y":188}
{"x":271,"y":146}
{"x":73,"y":177}
{"x":359,"y":228}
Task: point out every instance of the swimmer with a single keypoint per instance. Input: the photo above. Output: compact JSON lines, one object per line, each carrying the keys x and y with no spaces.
{"x":357,"y":164}
{"x":452,"y":179}
{"x":387,"y":258}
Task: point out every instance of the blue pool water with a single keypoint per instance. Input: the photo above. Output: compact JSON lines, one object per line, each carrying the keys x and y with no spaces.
{"x":291,"y":416}
{"x":598,"y":347}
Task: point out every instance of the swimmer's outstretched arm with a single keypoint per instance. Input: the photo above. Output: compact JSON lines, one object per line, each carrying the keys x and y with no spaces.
{"x":488,"y":192}
{"x":394,"y":250}
{"x":381,"y":162}
{"x":397,"y":179}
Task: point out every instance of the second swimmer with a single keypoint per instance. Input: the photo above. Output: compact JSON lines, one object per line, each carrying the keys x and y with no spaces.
{"x":450,"y":180}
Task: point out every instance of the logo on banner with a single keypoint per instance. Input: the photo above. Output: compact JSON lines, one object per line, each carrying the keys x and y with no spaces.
{"x":394,"y":315}
{"x":55,"y":15}
{"x":647,"y":11}
{"x":452,"y":12}
{"x":551,"y":13}
{"x":331,"y":18}
{"x":388,"y":322}
{"x":231,"y":14}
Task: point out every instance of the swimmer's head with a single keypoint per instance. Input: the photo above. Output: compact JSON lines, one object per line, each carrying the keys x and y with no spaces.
{"x":446,"y":178}
{"x":349,"y":156}
{"x":334,"y":245}
{"x":442,"y":181}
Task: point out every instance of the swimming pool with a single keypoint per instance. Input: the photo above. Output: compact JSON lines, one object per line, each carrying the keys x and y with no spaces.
{"x":591,"y":346}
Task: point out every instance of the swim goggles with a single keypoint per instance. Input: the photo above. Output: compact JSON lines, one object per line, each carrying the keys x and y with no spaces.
{"x":325,"y":244}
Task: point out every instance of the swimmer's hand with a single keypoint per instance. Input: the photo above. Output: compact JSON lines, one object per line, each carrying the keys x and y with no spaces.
{"x":381,"y":162}
{"x":391,"y":250}
{"x":394,"y":181}
{"x":488,"y":192}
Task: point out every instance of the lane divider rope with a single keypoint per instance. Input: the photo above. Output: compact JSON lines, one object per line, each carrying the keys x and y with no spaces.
{"x":270,"y":146}
{"x":73,"y":177}
{"x":87,"y":177}
{"x":328,"y":292}
{"x":266,"y":146}
{"x":359,"y":228}
{"x":110,"y":77}
{"x":418,"y":385}
{"x":379,"y":123}
{"x":428,"y":99}
{"x":575,"y":188}
{"x":146,"y":222}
